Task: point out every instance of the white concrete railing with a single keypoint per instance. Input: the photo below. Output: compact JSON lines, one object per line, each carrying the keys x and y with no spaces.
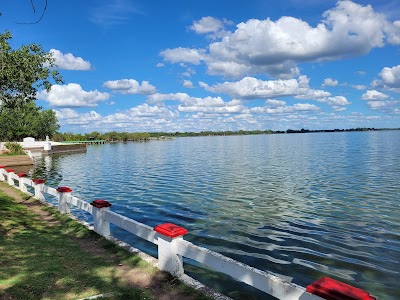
{"x":172,"y":247}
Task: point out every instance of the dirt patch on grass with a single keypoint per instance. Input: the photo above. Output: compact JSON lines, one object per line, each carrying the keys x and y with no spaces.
{"x":124,"y":267}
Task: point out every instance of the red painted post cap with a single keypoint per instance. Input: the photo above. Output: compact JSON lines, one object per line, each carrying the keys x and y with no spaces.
{"x":64,"y":189}
{"x":100,"y":203}
{"x":170,"y":230}
{"x":331,"y":289}
{"x":10,"y":170}
{"x":38,"y":181}
{"x":22,"y":175}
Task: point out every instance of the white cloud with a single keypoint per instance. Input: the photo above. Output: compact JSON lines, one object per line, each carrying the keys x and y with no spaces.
{"x":188,"y":84}
{"x":336,"y":101}
{"x":138,"y":113}
{"x":330,"y":82}
{"x":284,"y":109}
{"x":276,"y":47}
{"x":389,"y":107}
{"x":274,"y":103}
{"x":69,"y":116}
{"x":72,"y":95}
{"x":207,"y":25}
{"x":186,"y":55}
{"x":312,"y":94}
{"x":359,"y":87}
{"x":253,"y":88}
{"x":192,"y":104}
{"x":69,"y":61}
{"x":373,"y":95}
{"x":390,"y":79}
{"x":189,"y":72}
{"x":160,"y":65}
{"x":130,"y":86}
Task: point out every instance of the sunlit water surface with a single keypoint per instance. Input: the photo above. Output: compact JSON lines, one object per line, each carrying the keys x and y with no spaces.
{"x":301,"y":205}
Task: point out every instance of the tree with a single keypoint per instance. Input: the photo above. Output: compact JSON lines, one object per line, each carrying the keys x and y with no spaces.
{"x":23,"y":72}
{"x":27,"y":120}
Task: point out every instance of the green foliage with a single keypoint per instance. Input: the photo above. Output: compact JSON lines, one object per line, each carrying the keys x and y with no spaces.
{"x":15,"y":148}
{"x":23,"y":72}
{"x":26,"y":120}
{"x":112,"y":136}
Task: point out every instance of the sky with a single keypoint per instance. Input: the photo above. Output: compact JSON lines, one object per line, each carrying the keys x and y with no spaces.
{"x":216,"y":65}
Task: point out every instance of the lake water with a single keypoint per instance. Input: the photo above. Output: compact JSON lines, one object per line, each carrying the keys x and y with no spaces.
{"x":301,"y":205}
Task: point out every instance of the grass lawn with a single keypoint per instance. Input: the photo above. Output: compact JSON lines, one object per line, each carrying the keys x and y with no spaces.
{"x":46,"y":255}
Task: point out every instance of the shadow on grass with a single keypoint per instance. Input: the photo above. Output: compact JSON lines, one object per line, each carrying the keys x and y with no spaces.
{"x":50,"y":256}
{"x":40,"y":261}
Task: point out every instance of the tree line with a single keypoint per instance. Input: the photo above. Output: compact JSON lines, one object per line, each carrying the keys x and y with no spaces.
{"x":112,"y":136}
{"x":115,"y":136}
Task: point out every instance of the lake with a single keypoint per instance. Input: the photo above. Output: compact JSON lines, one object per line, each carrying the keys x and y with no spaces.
{"x":301,"y":205}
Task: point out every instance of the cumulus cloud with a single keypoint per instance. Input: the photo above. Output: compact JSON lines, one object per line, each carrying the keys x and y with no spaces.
{"x":130,"y":86}
{"x":197,"y":104}
{"x":72,"y":95}
{"x":359,"y":87}
{"x":185,"y":55}
{"x":253,"y":88}
{"x":188,"y":84}
{"x":250,"y":88}
{"x":138,"y":113}
{"x":336,"y":102}
{"x":373,"y":95}
{"x":276,"y":47}
{"x":213,"y":28}
{"x":312,"y":94}
{"x":390,"y":79}
{"x":70,"y":116}
{"x":330,"y":82}
{"x":281,"y":108}
{"x":142,"y":116}
{"x":69,"y":61}
{"x":207,"y":25}
{"x":274,"y":103}
{"x":390,"y":107}
{"x":378,"y":101}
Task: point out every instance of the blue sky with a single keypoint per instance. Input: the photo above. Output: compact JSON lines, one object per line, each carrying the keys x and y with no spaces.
{"x":214,"y":65}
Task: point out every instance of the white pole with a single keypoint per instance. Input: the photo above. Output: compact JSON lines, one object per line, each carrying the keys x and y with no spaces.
{"x":168,"y":259}
{"x":38,"y":185}
{"x":101,"y":225}
{"x":63,"y":193}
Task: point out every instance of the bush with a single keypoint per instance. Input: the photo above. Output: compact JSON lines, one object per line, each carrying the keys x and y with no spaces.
{"x":14,"y":148}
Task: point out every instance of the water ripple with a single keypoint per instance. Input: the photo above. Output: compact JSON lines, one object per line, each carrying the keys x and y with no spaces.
{"x":303,"y":205}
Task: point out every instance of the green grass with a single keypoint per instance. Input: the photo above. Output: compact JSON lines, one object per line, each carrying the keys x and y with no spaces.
{"x":44,"y":260}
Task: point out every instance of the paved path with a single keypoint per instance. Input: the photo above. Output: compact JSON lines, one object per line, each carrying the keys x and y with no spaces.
{"x":15,"y":160}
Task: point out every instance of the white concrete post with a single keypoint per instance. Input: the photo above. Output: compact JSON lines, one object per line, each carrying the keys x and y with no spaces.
{"x":63,"y":193}
{"x":101,"y":225}
{"x":22,"y":186}
{"x":47,"y":144}
{"x":168,"y":259}
{"x":2,"y":178}
{"x":38,"y":185}
{"x":10,"y":181}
